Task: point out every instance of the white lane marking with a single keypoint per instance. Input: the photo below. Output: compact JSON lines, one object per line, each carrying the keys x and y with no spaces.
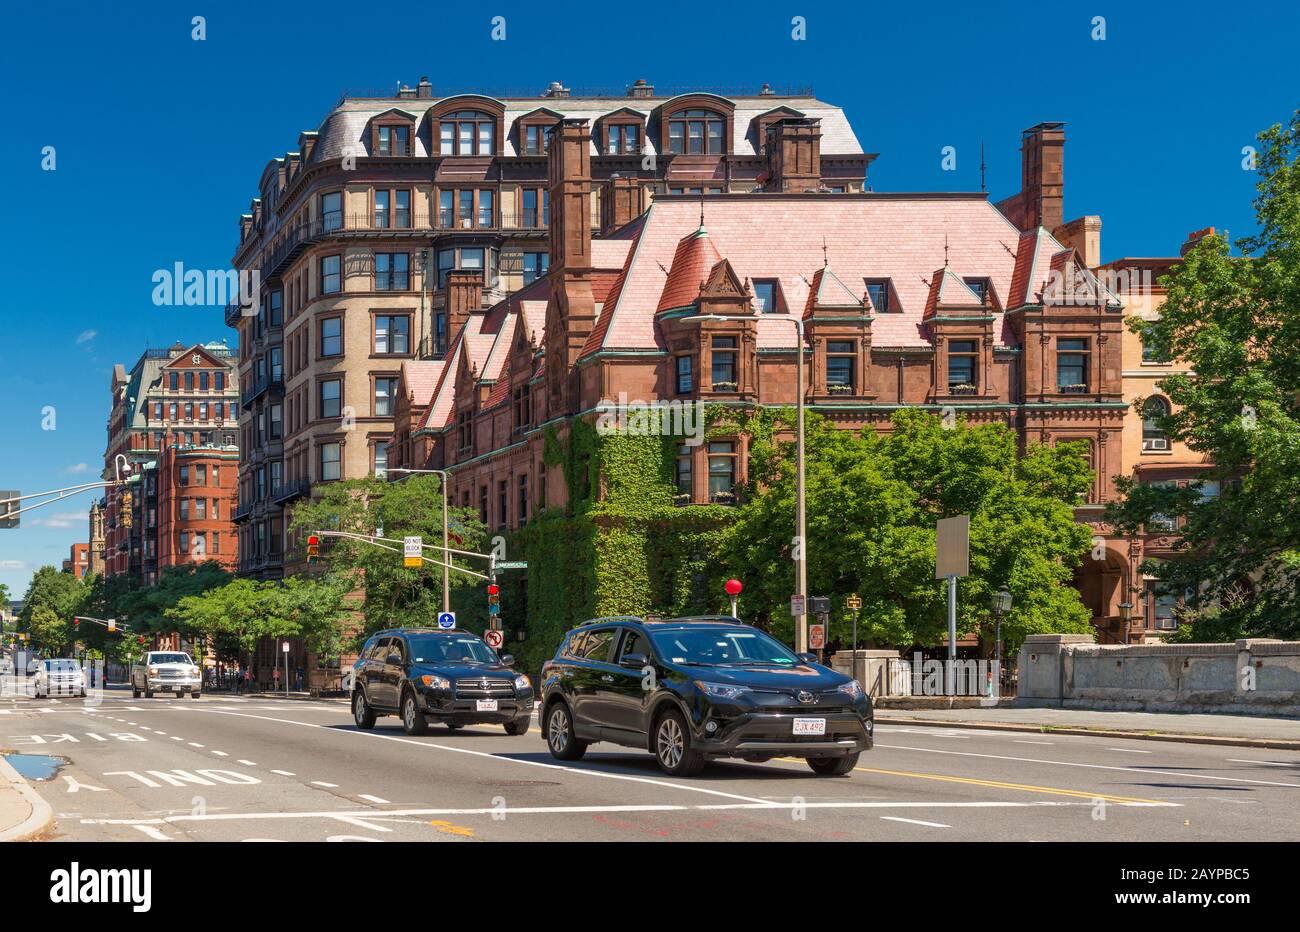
{"x":398,"y":814}
{"x":890,"y":818}
{"x":497,"y":757}
{"x":177,"y":738}
{"x":221,"y":753}
{"x":195,"y":744}
{"x":247,"y":763}
{"x":160,"y":732}
{"x":1066,"y":763}
{"x":1128,"y":750}
{"x":363,"y":823}
{"x":152,"y":832}
{"x":332,"y":786}
{"x":74,"y":786}
{"x":284,"y":773}
{"x":374,"y":799}
{"x":1267,"y":763}
{"x":1023,"y":741}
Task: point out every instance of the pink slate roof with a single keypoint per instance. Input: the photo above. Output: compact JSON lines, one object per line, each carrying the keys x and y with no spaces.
{"x":899,"y":237}
{"x":421,"y":378}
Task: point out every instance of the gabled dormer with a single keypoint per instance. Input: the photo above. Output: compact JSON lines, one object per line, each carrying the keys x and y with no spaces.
{"x":838,"y":326}
{"x":391,"y":134}
{"x":533,"y":131}
{"x":960,"y":322}
{"x":621,"y":132}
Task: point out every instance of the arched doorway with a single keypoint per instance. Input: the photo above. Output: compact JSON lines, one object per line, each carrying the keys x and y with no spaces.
{"x":1102,"y":586}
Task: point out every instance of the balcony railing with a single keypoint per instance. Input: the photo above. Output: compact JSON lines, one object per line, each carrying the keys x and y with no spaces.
{"x":289,"y":491}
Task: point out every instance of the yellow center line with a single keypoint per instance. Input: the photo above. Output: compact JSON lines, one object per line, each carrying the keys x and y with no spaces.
{"x":448,"y":829}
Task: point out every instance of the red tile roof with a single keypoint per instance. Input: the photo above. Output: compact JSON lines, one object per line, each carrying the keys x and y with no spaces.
{"x":695,"y":257}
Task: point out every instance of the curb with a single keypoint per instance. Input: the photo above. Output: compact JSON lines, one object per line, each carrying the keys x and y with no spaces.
{"x":41,"y":816}
{"x":1277,"y":744}
{"x":303,"y":698}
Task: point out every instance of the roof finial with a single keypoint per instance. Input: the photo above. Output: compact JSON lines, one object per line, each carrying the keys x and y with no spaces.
{"x":701,"y":208}
{"x":983,"y":185}
{"x":945,"y":249}
{"x":826,"y":260}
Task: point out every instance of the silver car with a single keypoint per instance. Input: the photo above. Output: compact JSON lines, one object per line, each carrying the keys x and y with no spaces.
{"x":59,"y":677}
{"x":166,"y":671}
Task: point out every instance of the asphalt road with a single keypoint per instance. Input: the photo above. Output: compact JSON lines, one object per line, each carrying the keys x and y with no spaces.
{"x":250,"y":769}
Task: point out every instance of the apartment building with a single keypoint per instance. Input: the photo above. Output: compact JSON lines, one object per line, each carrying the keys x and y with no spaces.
{"x":404,"y":214}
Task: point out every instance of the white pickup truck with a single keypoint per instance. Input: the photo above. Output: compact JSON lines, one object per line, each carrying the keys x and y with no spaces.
{"x":166,"y":671}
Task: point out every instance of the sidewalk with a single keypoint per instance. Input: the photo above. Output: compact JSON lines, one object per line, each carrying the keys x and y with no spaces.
{"x":23,"y":813}
{"x":1232,"y":730}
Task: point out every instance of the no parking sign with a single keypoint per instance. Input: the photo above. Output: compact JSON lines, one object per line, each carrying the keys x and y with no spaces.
{"x":494,"y":638}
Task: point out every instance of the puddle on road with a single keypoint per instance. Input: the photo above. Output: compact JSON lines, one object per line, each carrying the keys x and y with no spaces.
{"x":37,"y":767}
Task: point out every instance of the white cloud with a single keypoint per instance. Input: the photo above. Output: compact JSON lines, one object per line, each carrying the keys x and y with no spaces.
{"x":86,"y":336}
{"x":14,"y":565}
{"x":79,"y":467}
{"x":62,"y":519}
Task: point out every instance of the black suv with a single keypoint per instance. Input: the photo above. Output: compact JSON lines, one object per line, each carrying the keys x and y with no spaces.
{"x":690,"y":689}
{"x":450,"y":676}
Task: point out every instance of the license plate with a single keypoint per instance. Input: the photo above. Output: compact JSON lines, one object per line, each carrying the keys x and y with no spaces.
{"x":810,"y":726}
{"x":487,"y":705}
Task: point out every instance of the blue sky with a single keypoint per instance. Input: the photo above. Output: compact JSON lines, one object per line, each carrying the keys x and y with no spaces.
{"x":160,"y":140}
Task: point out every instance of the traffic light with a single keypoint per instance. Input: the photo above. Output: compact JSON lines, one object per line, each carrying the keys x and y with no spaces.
{"x":494,"y":599}
{"x":76,"y":624}
{"x":313,"y":548}
{"x":112,"y":626}
{"x":6,"y":520}
{"x":128,"y":517}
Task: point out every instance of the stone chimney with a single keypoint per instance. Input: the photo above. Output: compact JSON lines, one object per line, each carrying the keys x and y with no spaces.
{"x":424,"y":88}
{"x":572,"y":312}
{"x":641,"y":89}
{"x":556,"y":89}
{"x":1042,"y":179}
{"x":622,"y":202}
{"x":794,"y":155}
{"x":464,"y":294}
{"x":1193,"y":238}
{"x":1084,"y":234}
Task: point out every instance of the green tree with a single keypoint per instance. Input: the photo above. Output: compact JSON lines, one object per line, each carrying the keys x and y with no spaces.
{"x":872,"y":503}
{"x":145,"y":609}
{"x":244,"y":611}
{"x":1235,"y":322}
{"x":394,"y":595}
{"x":52,"y":599}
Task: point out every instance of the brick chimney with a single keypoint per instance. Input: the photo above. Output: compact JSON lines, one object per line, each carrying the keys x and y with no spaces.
{"x":1084,"y":234}
{"x":1193,"y":238}
{"x":641,"y":89}
{"x":1042,"y":179}
{"x":464,"y":295}
{"x":794,"y":155}
{"x":623,"y":201}
{"x":572,"y":312}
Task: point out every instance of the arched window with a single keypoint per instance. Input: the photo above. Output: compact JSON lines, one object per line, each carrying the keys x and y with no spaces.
{"x":467,"y":132}
{"x":1154,"y":409}
{"x":696,"y":132}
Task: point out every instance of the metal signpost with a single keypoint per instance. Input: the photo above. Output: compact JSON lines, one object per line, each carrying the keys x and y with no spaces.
{"x":284,"y":649}
{"x":952,"y":559}
{"x":854,"y":604}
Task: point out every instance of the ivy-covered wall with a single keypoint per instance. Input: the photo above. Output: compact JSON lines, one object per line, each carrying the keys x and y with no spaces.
{"x":619,"y":547}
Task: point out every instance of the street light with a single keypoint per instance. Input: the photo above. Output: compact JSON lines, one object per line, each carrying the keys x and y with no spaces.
{"x":801,"y":543}
{"x":1001,"y":605}
{"x":446,"y":553}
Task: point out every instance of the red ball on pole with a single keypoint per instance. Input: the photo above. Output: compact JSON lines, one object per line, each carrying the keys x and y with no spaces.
{"x":734,"y":586}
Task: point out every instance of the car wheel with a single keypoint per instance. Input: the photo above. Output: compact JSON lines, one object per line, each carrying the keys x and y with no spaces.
{"x":148,"y":693}
{"x":560,"y":737}
{"x":673,"y":746}
{"x":413,"y":720}
{"x":135,"y":693}
{"x":518,"y":728}
{"x":833,"y":766}
{"x":362,"y":714}
{"x":195,"y":694}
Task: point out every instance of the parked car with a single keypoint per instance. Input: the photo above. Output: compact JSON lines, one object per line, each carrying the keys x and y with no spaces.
{"x":60,"y":676}
{"x":691,"y":689}
{"x":166,"y":671}
{"x":447,"y":676}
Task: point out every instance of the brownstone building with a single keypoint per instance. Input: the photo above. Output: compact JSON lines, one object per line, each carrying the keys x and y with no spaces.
{"x":174,"y":423}
{"x":78,"y":561}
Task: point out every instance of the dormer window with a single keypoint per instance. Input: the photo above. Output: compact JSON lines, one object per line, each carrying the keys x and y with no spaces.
{"x":980,"y":286}
{"x":878,"y":292}
{"x":962,"y":366}
{"x":765,"y":295}
{"x":841,"y":356}
{"x":695,"y":132}
{"x":623,"y":139}
{"x":537,"y":139}
{"x":467,"y":132}
{"x":724,"y":364}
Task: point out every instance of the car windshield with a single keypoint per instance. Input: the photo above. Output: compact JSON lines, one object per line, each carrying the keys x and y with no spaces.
{"x":63,"y":666}
{"x":431,"y":648}
{"x":721,"y":646}
{"x":170,"y":658}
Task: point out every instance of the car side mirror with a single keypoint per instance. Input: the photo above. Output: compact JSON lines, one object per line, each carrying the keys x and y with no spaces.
{"x":394,"y":659}
{"x":507,"y":660}
{"x":633,"y":661}
{"x":807,"y":657}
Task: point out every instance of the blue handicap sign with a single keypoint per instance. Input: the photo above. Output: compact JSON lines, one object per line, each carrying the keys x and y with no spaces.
{"x":447,"y":620}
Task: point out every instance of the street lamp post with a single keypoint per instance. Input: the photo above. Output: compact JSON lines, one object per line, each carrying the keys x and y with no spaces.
{"x":446,"y":553}
{"x":1001,"y":605}
{"x":801,"y":543}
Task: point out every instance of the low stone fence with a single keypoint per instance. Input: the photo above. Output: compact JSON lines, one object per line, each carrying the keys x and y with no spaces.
{"x":1252,"y":676}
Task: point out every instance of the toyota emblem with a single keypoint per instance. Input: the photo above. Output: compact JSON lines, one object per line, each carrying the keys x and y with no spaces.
{"x":805,"y":696}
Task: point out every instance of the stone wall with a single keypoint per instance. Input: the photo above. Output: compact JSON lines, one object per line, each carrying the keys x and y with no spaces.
{"x":1251,"y":676}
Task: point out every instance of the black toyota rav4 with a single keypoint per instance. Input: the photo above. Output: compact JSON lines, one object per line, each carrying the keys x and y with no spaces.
{"x":449,"y":676}
{"x":690,"y":689}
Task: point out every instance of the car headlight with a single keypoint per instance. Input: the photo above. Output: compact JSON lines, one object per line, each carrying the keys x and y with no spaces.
{"x":153,"y":671}
{"x":434,"y":681}
{"x":852,"y":689}
{"x":721,"y":690}
{"x":522,"y":683}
